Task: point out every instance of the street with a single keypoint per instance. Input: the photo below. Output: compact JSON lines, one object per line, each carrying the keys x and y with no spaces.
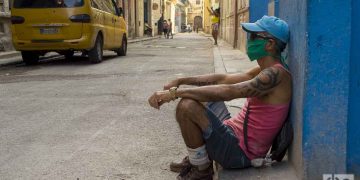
{"x":69,"y":119}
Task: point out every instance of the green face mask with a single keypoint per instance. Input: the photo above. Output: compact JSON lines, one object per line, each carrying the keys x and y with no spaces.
{"x":256,"y":49}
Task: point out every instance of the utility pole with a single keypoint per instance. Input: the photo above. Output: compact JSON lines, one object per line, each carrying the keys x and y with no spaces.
{"x":236,"y":24}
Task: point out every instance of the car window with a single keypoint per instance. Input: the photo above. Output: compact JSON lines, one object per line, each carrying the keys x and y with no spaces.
{"x":110,"y":6}
{"x":102,"y":5}
{"x":95,"y":4}
{"x":48,"y":3}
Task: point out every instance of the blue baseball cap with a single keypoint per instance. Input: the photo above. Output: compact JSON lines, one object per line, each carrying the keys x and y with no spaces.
{"x":270,"y":24}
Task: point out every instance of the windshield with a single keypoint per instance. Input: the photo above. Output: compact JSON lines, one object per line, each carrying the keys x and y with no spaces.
{"x":48,"y":3}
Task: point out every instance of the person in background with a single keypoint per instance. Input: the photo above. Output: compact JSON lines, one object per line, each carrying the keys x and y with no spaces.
{"x":215,"y":20}
{"x":170,"y":30}
{"x":165,"y":29}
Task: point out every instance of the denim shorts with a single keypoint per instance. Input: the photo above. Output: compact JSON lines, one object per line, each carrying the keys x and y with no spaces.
{"x":221,"y":143}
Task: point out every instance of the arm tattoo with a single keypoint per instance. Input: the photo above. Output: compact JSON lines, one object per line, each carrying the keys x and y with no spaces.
{"x":272,"y":80}
{"x":202,"y":83}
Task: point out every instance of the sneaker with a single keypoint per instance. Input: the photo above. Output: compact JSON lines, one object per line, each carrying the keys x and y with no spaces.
{"x":195,"y":174}
{"x":178,"y":167}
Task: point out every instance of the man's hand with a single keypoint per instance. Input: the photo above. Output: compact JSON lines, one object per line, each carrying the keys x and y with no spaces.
{"x":174,"y":83}
{"x":159,"y":98}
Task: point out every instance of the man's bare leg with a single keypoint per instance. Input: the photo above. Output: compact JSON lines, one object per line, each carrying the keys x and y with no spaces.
{"x":192,"y":120}
{"x":191,"y":117}
{"x":215,"y":35}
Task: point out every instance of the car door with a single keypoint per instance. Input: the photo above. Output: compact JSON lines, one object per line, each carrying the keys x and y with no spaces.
{"x":107,"y":24}
{"x":122,"y":27}
{"x":111,"y":13}
{"x":117,"y":26}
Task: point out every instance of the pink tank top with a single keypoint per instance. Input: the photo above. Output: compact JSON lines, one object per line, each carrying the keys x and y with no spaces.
{"x":265,"y":121}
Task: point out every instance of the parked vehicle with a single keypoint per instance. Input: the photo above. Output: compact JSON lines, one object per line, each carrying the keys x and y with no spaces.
{"x":66,"y":26}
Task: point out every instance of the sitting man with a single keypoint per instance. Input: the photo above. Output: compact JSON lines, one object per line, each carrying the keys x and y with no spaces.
{"x":206,"y":126}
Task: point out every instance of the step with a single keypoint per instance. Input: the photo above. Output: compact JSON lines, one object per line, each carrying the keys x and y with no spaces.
{"x":277,"y":171}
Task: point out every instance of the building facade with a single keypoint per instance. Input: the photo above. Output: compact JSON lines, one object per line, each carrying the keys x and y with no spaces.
{"x":180,"y":16}
{"x":232,"y":13}
{"x":208,"y":4}
{"x":134,"y":16}
{"x":5,"y":26}
{"x":195,"y":14}
{"x":152,"y":15}
{"x":176,"y":11}
{"x":141,"y":15}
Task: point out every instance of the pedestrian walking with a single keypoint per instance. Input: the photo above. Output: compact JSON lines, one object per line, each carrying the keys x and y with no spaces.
{"x":215,"y":20}
{"x":170,"y":30}
{"x":165,"y":28}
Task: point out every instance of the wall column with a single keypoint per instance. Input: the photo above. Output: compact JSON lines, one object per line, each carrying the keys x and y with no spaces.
{"x":319,"y":59}
{"x":353,"y":142}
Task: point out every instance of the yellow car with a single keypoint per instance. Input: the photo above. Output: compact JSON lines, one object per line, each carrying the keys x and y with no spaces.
{"x":66,"y":26}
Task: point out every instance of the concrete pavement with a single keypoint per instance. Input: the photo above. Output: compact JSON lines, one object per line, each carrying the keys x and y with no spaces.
{"x":68,"y":120}
{"x":75,"y":120}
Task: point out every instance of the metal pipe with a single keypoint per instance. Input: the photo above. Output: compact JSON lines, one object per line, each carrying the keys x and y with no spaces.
{"x":236,"y":29}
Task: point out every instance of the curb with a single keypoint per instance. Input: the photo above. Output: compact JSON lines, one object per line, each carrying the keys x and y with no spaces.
{"x":9,"y":54}
{"x":205,"y":34}
{"x":218,"y":61}
{"x":130,"y":41}
{"x":9,"y":57}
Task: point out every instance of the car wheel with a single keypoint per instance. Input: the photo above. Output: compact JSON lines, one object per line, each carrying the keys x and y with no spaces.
{"x":123,"y":49}
{"x":30,"y":57}
{"x":96,"y":53}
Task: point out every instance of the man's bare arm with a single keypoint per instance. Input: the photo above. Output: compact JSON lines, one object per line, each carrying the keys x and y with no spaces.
{"x":215,"y":79}
{"x":259,"y":86}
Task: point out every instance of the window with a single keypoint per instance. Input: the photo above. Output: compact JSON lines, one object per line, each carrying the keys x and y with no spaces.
{"x":105,"y":5}
{"x":95,"y":4}
{"x":48,"y":3}
{"x":198,"y":2}
{"x":108,"y":6}
{"x":2,"y":7}
{"x":2,"y":28}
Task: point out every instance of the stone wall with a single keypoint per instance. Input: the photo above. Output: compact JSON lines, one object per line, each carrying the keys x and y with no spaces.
{"x":5,"y":27}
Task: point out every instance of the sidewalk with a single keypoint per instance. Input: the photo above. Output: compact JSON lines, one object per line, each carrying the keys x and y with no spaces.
{"x":15,"y":56}
{"x":229,"y":60}
{"x":9,"y":57}
{"x":135,"y":40}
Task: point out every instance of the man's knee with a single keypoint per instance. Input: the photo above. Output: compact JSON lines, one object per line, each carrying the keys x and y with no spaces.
{"x":187,"y":107}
